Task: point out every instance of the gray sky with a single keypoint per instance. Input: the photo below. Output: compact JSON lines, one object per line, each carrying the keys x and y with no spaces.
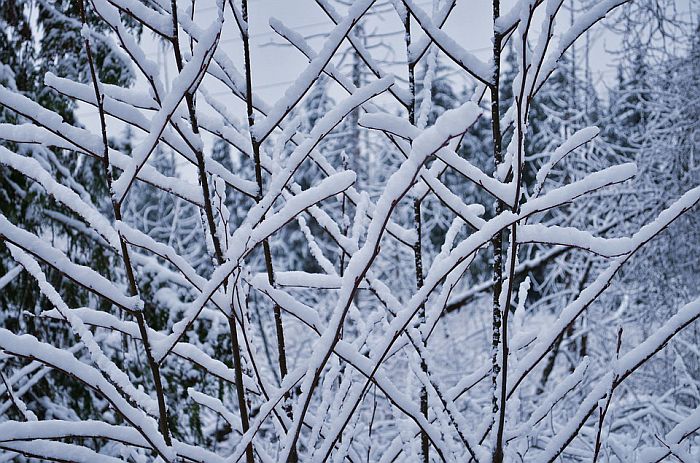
{"x":275,"y":67}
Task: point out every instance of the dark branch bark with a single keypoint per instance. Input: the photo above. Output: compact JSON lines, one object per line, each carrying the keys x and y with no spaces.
{"x":133,"y":287}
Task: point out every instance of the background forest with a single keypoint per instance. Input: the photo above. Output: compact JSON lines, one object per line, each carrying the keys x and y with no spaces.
{"x":404,"y":258}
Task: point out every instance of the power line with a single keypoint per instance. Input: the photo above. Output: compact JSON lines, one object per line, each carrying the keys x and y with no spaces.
{"x":295,"y":28}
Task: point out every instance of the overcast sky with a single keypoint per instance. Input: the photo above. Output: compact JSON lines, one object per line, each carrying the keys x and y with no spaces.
{"x":275,"y":67}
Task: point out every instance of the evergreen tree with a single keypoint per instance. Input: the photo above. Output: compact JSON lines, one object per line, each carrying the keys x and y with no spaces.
{"x":37,"y":38}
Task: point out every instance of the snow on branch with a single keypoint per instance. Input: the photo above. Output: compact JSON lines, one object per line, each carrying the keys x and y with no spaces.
{"x":412,"y":254}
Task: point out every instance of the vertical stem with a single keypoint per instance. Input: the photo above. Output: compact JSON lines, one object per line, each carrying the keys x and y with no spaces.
{"x":343,"y":212}
{"x":417,"y":250}
{"x":417,"y":247}
{"x":356,"y":162}
{"x":513,"y":254}
{"x":201,"y":168}
{"x":240,"y":390}
{"x":279,"y":327}
{"x":218,"y":252}
{"x":116,"y":206}
{"x":603,"y":411}
{"x":497,"y":240}
{"x":521,"y":102}
{"x":258,"y":178}
{"x":502,"y":393}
